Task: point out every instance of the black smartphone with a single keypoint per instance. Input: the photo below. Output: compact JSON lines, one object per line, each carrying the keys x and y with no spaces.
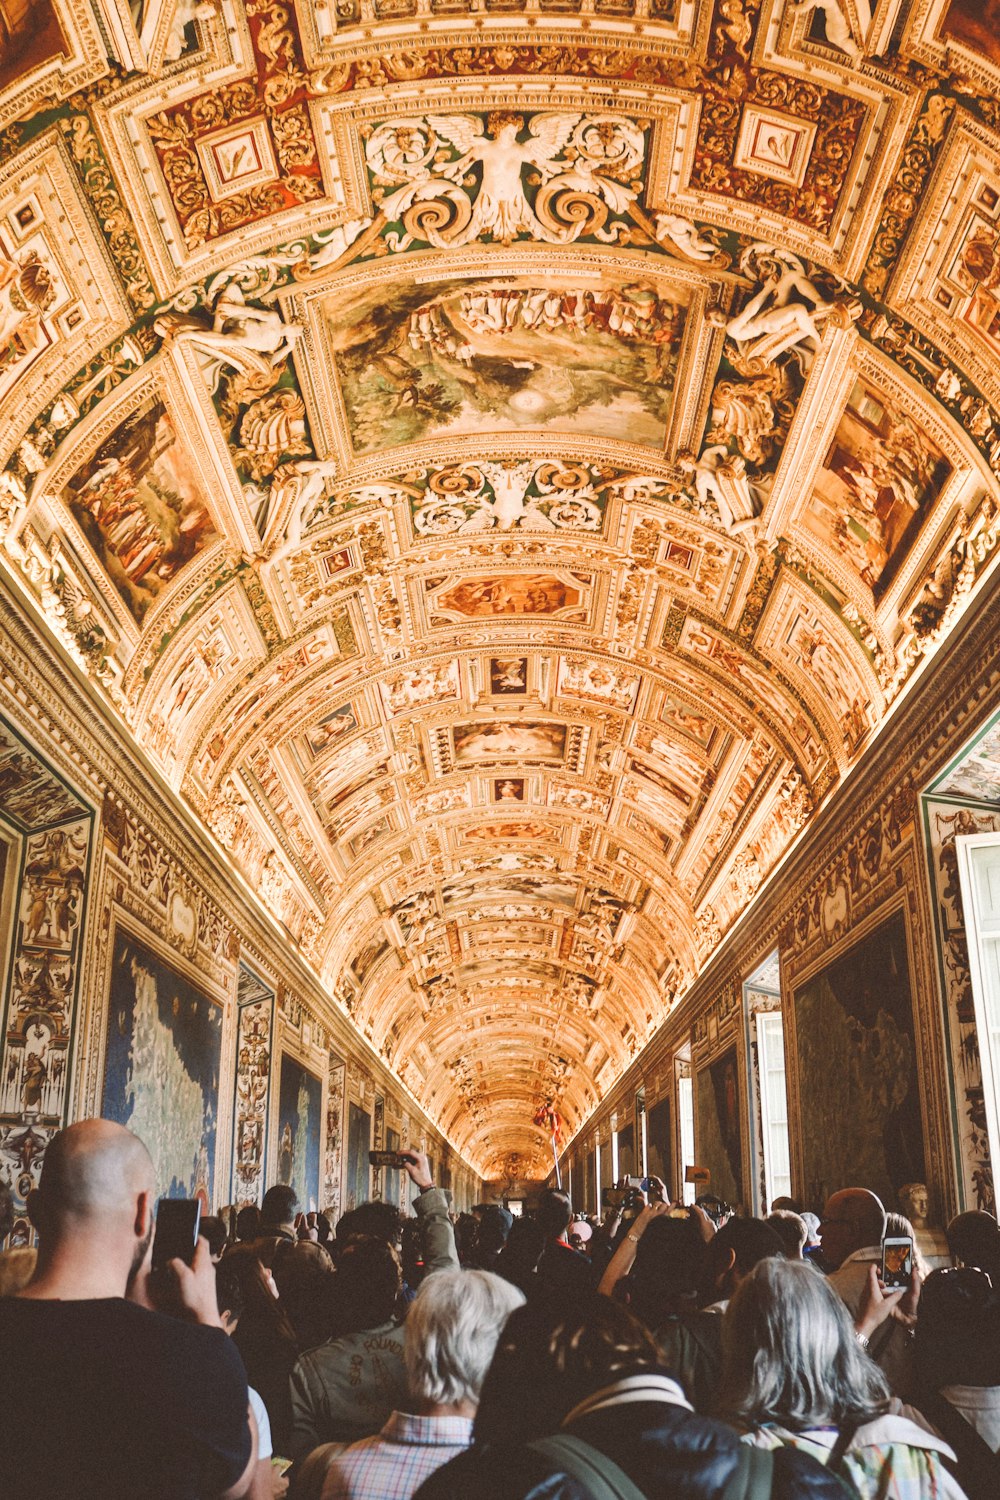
{"x":177,"y":1221}
{"x":387,"y":1159}
{"x":897,"y":1262}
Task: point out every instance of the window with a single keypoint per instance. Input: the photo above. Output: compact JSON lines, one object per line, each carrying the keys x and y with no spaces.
{"x":979,"y":874}
{"x":773,"y":1104}
{"x":685,"y":1113}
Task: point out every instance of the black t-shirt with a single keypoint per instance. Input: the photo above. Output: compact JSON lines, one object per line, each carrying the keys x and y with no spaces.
{"x":107,"y":1399}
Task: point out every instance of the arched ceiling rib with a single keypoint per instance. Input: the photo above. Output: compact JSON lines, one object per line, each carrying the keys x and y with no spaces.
{"x":502,"y":466}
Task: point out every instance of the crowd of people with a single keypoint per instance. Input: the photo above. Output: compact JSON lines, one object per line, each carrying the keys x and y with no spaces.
{"x":661,"y":1351}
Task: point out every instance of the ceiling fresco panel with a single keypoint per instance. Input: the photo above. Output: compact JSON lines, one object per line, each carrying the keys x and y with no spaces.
{"x":504,"y":466}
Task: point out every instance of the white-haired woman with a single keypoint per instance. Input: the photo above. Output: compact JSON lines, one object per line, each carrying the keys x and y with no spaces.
{"x":795,"y":1373}
{"x":451,"y":1332}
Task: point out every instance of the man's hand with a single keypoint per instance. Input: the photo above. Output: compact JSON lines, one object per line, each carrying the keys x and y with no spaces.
{"x":418,"y":1169}
{"x":876,"y":1304}
{"x":193,"y":1288}
{"x":706,"y":1224}
{"x":643,"y":1221}
{"x":658,"y":1190}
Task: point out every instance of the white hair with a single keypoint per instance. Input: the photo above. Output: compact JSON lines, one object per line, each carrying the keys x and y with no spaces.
{"x":790,"y":1355}
{"x":451,"y":1332}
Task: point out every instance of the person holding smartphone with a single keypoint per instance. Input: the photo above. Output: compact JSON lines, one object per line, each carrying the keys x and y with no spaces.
{"x":115,"y":1381}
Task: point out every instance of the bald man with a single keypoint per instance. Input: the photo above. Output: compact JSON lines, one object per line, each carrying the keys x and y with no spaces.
{"x":851,"y":1232}
{"x":101,"y":1396}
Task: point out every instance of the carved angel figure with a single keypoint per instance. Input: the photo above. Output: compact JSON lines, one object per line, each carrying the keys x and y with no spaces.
{"x":838,"y":26}
{"x":242,"y":337}
{"x":784,"y":313}
{"x":592,"y":156}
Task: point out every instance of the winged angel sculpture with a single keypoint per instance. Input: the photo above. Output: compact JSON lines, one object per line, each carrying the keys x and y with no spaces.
{"x":581,"y":166}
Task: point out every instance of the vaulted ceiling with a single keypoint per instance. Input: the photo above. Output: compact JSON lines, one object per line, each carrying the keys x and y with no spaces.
{"x":503,"y":462}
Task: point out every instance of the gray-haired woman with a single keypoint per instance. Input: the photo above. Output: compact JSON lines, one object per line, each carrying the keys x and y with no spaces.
{"x":795,"y":1373}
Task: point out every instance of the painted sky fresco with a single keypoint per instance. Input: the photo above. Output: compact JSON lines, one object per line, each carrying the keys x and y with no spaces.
{"x":419,"y":361}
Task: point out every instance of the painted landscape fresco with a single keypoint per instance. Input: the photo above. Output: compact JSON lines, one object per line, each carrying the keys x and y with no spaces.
{"x":420,"y":362}
{"x":140,"y":505}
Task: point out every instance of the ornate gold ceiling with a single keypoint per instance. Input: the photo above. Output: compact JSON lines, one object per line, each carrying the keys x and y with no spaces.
{"x":503,"y":462}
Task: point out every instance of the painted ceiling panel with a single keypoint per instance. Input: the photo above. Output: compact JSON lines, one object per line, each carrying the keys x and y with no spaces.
{"x":503,"y":464}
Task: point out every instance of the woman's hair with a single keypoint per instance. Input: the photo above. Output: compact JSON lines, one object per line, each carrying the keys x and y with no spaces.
{"x":550,"y":1356}
{"x":898,"y":1226}
{"x":451,"y":1333}
{"x":790,"y":1354}
{"x":260,"y":1306}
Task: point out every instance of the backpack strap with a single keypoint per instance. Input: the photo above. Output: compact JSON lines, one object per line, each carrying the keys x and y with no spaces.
{"x":753,"y":1475}
{"x":845,"y":1437}
{"x":978,"y":1466}
{"x":582,"y":1461}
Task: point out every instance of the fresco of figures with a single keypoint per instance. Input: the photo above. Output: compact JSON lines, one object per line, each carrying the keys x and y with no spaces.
{"x":140,"y":504}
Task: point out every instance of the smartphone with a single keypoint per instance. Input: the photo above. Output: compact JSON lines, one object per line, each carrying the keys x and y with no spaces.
{"x":897,"y":1262}
{"x":393,"y":1159}
{"x":177,"y":1221}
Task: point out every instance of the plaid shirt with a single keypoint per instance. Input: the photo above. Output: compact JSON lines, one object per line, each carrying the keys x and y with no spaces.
{"x":395,"y":1464}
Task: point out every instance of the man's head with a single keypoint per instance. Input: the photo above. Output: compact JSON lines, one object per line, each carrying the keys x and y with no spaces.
{"x":735,"y":1250}
{"x":451,"y":1335}
{"x":248,"y":1222}
{"x":377,"y":1221}
{"x":791,"y":1230}
{"x":974,"y":1239}
{"x":95,"y":1196}
{"x":364,"y":1290}
{"x":554,"y":1213}
{"x":495,"y":1225}
{"x":852,"y":1220}
{"x":278,"y":1208}
{"x":229,"y":1292}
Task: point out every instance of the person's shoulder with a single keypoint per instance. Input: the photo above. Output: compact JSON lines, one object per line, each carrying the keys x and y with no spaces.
{"x":799,"y":1476}
{"x":513,"y":1474}
{"x":179,"y":1346}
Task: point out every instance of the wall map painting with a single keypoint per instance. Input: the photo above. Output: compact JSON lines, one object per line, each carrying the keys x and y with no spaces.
{"x":876,"y":483}
{"x":140,"y":504}
{"x":419,"y":361}
{"x":358,"y":1174}
{"x":856,"y":1051}
{"x":300,"y":1123}
{"x":161,"y":1068}
{"x":719,"y":1145}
